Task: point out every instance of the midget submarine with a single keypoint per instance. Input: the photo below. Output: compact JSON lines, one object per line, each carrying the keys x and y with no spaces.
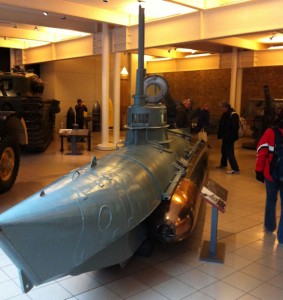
{"x":100,"y":214}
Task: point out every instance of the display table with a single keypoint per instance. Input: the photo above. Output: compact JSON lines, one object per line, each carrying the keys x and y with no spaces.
{"x":75,"y":135}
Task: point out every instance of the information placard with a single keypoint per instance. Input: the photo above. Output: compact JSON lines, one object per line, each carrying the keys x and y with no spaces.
{"x":215,"y":194}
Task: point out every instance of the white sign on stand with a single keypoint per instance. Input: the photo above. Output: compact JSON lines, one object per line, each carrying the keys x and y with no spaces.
{"x":216,"y":196}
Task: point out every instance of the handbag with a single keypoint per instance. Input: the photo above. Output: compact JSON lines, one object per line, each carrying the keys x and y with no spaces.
{"x":202,"y":135}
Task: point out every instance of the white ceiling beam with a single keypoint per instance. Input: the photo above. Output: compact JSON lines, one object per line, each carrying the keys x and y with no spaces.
{"x":170,"y":53}
{"x":240,"y":43}
{"x":30,"y":17}
{"x":247,"y":59}
{"x":67,"y":8}
{"x":19,"y":33}
{"x":222,"y":22}
{"x":58,"y":51}
{"x":11,"y":44}
{"x":184,"y":3}
{"x":249,"y":17}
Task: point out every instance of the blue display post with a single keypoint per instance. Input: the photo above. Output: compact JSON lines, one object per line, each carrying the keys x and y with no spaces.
{"x":216,"y":196}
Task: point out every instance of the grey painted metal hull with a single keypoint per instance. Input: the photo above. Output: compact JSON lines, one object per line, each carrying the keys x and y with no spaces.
{"x":95,"y":216}
{"x":99,"y":214}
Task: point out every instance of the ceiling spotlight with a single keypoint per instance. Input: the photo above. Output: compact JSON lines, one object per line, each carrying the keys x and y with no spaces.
{"x":63,"y":18}
{"x":106,"y":1}
{"x":45,"y":13}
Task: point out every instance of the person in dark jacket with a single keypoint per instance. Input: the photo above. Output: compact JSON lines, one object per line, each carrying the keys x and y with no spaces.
{"x":228,"y":132}
{"x":203,"y":118}
{"x":80,"y":109}
{"x":265,"y":152}
{"x":184,"y":114}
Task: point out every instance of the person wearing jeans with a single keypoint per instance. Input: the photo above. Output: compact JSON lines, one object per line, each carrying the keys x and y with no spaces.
{"x":265,"y":152}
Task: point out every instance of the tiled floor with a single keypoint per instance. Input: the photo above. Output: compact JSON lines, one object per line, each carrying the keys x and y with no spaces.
{"x":253,"y":264}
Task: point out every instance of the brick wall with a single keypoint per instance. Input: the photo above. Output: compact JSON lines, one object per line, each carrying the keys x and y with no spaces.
{"x":214,"y":86}
{"x":210,"y":86}
{"x":255,"y":78}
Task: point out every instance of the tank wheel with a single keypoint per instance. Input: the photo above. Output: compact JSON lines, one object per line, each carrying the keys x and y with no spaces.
{"x":9,"y":162}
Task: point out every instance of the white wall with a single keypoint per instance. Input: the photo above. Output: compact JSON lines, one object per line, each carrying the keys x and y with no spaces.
{"x":70,"y":79}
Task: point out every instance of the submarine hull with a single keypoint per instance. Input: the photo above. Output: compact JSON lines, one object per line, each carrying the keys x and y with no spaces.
{"x":99,"y":214}
{"x":76,"y":224}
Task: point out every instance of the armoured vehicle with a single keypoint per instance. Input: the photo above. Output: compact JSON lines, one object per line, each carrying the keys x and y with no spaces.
{"x":21,"y":92}
{"x":100,"y":214}
{"x":13,"y":133}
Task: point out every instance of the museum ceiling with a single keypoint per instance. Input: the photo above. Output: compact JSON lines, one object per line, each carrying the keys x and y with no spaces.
{"x":218,"y":25}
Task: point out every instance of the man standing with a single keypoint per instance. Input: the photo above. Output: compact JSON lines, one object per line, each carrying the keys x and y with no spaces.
{"x":80,"y":109}
{"x":184,"y":114}
{"x":228,"y":132}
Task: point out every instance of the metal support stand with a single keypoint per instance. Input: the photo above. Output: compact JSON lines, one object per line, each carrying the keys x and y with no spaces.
{"x":213,"y":251}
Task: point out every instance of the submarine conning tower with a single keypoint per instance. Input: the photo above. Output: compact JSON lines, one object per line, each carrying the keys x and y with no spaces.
{"x":147,"y":119}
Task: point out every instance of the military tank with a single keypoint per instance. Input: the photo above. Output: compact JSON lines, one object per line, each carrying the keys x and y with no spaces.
{"x":13,"y":134}
{"x":21,"y":92}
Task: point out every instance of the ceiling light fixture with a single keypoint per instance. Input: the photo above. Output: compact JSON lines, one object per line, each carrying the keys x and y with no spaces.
{"x":276,"y":37}
{"x":45,"y":13}
{"x":185,"y":50}
{"x":197,"y":55}
{"x":124,"y":71}
{"x":275,"y":47}
{"x":160,"y":59}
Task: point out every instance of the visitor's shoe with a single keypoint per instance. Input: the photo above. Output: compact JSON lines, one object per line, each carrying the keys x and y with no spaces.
{"x":220,"y":167}
{"x":267,"y":230}
{"x":233,"y":172}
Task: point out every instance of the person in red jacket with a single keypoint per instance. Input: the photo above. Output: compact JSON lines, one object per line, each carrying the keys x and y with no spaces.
{"x":265,"y":152}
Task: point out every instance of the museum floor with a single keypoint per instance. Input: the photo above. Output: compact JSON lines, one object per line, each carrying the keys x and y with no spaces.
{"x":253,"y":263}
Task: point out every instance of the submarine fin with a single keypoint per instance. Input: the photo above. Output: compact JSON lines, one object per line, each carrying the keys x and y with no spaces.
{"x":26,"y":285}
{"x":123,"y":263}
{"x":93,"y":162}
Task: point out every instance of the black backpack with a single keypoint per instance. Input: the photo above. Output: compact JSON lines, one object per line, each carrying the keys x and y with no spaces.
{"x":276,"y":165}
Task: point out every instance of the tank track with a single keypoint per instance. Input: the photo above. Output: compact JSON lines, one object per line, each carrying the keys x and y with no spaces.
{"x":39,"y":117}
